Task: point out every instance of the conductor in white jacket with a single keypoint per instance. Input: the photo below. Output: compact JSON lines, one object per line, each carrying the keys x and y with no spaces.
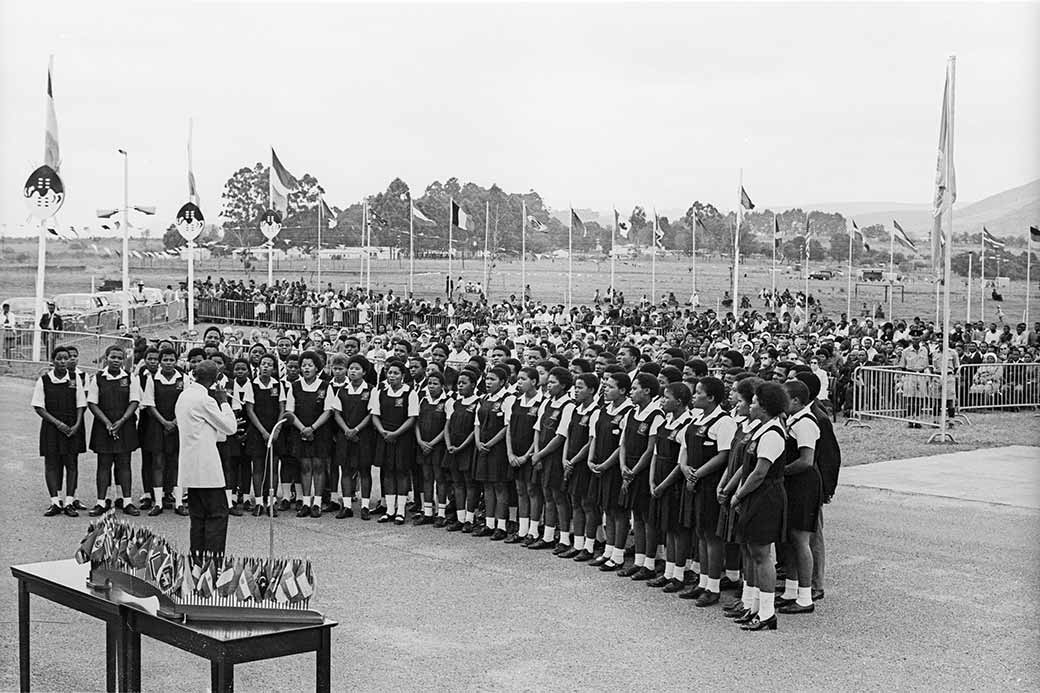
{"x":203,"y":414}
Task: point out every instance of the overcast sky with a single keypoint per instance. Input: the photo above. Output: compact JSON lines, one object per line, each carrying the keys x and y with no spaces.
{"x":590,"y":104}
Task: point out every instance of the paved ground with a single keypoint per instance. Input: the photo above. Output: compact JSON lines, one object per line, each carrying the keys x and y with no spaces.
{"x":923,"y":592}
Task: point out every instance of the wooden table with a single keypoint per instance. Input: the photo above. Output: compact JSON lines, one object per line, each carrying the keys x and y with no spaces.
{"x":224,"y":645}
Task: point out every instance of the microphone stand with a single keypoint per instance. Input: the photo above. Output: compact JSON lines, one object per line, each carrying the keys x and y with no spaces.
{"x":271,"y":489}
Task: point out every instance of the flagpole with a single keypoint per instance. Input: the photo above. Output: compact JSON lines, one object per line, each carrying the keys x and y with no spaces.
{"x":653,"y":264}
{"x":982,"y":276}
{"x":487,"y":233}
{"x":41,"y":270}
{"x":368,"y":260}
{"x":451,"y":226}
{"x":126,"y":236}
{"x":891,"y":272}
{"x":613,"y":236}
{"x":1029,"y":259}
{"x":736,"y":241}
{"x":967,"y":311}
{"x":693,"y":259}
{"x":772,"y":273}
{"x":949,"y":194}
{"x":805,"y":265}
{"x":411,"y":247}
{"x":320,"y":200}
{"x":523,"y":253}
{"x":191,"y":285}
{"x":570,"y":260}
{"x":361,"y":242}
{"x":848,"y":283}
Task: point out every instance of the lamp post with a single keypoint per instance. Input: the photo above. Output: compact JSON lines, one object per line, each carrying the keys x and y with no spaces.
{"x":126,"y":237}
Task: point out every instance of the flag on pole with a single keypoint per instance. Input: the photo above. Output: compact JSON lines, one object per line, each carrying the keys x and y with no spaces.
{"x":577,"y":224}
{"x":458,"y":216}
{"x":658,"y":232}
{"x":901,"y":236}
{"x":992,"y":241}
{"x":51,"y":152}
{"x":281,"y":184}
{"x":536,"y":225}
{"x":860,"y":237}
{"x":778,"y":236}
{"x":327,"y":212}
{"x":1034,"y":234}
{"x":623,"y":225}
{"x":745,"y":200}
{"x":945,"y":179}
{"x":421,"y":218}
{"x":193,"y":193}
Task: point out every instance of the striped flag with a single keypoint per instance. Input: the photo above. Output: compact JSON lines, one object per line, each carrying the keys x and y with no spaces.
{"x":327,"y":212}
{"x":577,"y":224}
{"x":945,"y":178}
{"x":1034,"y":234}
{"x":778,"y":236}
{"x":745,"y":200}
{"x":991,"y":241}
{"x":536,"y":225}
{"x":901,"y":236}
{"x":860,"y":237}
{"x":281,"y":184}
{"x":421,"y":218}
{"x":458,"y":216}
{"x":51,"y":152}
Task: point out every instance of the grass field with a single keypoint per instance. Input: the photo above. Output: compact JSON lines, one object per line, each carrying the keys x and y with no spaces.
{"x":71,"y":271}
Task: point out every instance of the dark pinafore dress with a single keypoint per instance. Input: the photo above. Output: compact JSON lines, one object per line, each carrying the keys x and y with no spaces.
{"x":113,"y":400}
{"x":636,"y":497}
{"x":491,"y":466}
{"x":727,"y":515}
{"x":706,"y":495}
{"x":308,"y":407}
{"x":664,"y":510}
{"x":608,"y":438}
{"x":396,"y":456}
{"x":761,"y":515}
{"x":521,"y":434}
{"x":354,"y":455}
{"x":699,"y":449}
{"x":804,"y":490}
{"x":266,"y":405}
{"x":577,"y":436}
{"x":59,"y":399}
{"x":460,"y":425}
{"x":236,"y":443}
{"x":431,"y":424}
{"x":552,"y":464}
{"x":155,"y":438}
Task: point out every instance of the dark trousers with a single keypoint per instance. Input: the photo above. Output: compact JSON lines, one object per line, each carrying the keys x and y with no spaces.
{"x":208,"y":511}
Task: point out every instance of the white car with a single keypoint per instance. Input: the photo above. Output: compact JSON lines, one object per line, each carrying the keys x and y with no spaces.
{"x":76,"y":305}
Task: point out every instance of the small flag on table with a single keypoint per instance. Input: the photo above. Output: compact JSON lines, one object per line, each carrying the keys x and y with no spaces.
{"x":86,"y":547}
{"x":305,"y":579}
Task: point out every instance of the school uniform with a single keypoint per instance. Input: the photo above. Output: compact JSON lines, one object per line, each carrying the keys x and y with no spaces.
{"x":579,"y":432}
{"x":240,"y":395}
{"x":145,"y":422}
{"x":523,"y":413}
{"x":734,"y":467}
{"x":306,"y":401}
{"x":161,"y":393}
{"x":352,"y":456}
{"x":289,"y":463}
{"x":394,"y":407}
{"x":554,"y":418}
{"x":112,"y":394}
{"x":267,"y":403}
{"x":664,"y":510}
{"x":461,"y":413}
{"x":606,"y":424}
{"x":432,"y":417}
{"x":706,"y":436}
{"x":636,"y":430}
{"x":492,"y":466}
{"x":760,"y":517}
{"x":62,"y":398}
{"x":805,"y":489}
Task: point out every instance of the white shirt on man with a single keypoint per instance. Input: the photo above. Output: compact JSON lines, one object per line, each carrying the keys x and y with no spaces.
{"x":200,"y":423}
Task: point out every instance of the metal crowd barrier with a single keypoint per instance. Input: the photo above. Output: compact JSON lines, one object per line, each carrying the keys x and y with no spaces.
{"x":109,"y":319}
{"x":998,"y":386}
{"x":19,"y":359}
{"x":897,"y":395}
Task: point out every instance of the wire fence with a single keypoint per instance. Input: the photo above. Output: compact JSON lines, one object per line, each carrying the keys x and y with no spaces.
{"x":20,"y":360}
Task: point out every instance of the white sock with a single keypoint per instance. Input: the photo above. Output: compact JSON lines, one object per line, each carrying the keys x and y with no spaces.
{"x":756,"y":595}
{"x":765,"y":606}
{"x":649,"y":563}
{"x":460,"y":515}
{"x":442,"y":511}
{"x":489,"y":522}
{"x":513,"y":513}
{"x":55,"y":500}
{"x":590,"y":544}
{"x":534,"y":528}
{"x":402,"y":503}
{"x":804,"y":596}
{"x":470,"y":515}
{"x":703,"y":581}
{"x":695,"y":566}
{"x":178,"y":497}
{"x":100,"y":502}
{"x":127,"y":500}
{"x":525,"y":526}
{"x":669,"y":570}
{"x":746,"y":596}
{"x":618,"y":557}
{"x":230,"y":500}
{"x":548,"y":533}
{"x":733,"y":575}
{"x":427,"y":509}
{"x":69,"y":500}
{"x":608,"y":551}
{"x":640,"y":559}
{"x":565,"y":538}
{"x":391,"y":504}
{"x":713,"y":585}
{"x":790,"y":589}
{"x":501,"y":522}
{"x":158,"y":494}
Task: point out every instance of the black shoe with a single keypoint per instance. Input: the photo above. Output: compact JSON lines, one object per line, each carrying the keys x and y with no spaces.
{"x":734,"y":610}
{"x":366,"y":514}
{"x":181,"y":510}
{"x":817,"y":595}
{"x":570,"y":553}
{"x":746,"y":617}
{"x":420,"y":520}
{"x":304,"y":511}
{"x":467,"y":527}
{"x":398,"y":520}
{"x":598,"y":560}
{"x":629,"y":571}
{"x":796,"y":608}
{"x":248,"y":505}
{"x":758,"y":624}
{"x":384,"y":518}
{"x":76,"y":505}
{"x":156,"y":510}
{"x":284,"y":504}
{"x":97,"y":510}
{"x":70,"y":511}
{"x":52,"y":511}
{"x":691,"y":592}
{"x":611,"y":567}
{"x":560,"y":549}
{"x":298,"y":503}
{"x":315,"y":510}
{"x":380,"y":510}
{"x":582,"y":556}
{"x":513,"y":538}
{"x":540,"y":544}
{"x":707,"y":598}
{"x":498,"y":535}
{"x":453,"y":525}
{"x":691,"y":578}
{"x":483,"y":531}
{"x":119,"y":503}
{"x":674,"y":585}
{"x":528,"y":540}
{"x":258,"y":510}
{"x":146,"y":503}
{"x":726,"y":584}
{"x":644,"y":574}
{"x":439,"y":521}
{"x":131,"y":510}
{"x":658,"y":582}
{"x":344,"y":513}
{"x":235,"y":510}
{"x":782,"y":601}
{"x":168,"y":502}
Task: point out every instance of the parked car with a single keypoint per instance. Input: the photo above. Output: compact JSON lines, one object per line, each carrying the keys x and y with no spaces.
{"x":119,"y":299}
{"x":78,"y":305}
{"x":23,"y":309}
{"x":822,"y":274}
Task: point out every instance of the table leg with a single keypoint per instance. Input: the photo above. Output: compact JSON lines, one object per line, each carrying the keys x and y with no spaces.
{"x":132,"y":655}
{"x":221,"y":677}
{"x":114,"y":657}
{"x":323,"y":665}
{"x":23,"y":635}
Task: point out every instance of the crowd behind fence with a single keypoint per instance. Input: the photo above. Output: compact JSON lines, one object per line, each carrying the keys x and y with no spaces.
{"x":893,"y":393}
{"x":19,"y":359}
{"x":109,"y":319}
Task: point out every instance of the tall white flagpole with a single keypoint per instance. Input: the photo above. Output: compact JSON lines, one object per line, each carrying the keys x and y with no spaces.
{"x":891,"y":273}
{"x":41,"y":269}
{"x":320,"y":200}
{"x":772,"y":272}
{"x":967,"y":312}
{"x":848,"y":283}
{"x":451,"y":228}
{"x":411,"y":246}
{"x":523,"y":252}
{"x":570,"y":260}
{"x":982,"y":277}
{"x":368,"y":260}
{"x":693,"y":258}
{"x":191,"y":244}
{"x":361,"y":242}
{"x":736,"y":242}
{"x":951,"y":68}
{"x":1029,"y":287}
{"x":487,"y":234}
{"x":806,"y":267}
{"x":653,"y":264}
{"x":613,"y":237}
